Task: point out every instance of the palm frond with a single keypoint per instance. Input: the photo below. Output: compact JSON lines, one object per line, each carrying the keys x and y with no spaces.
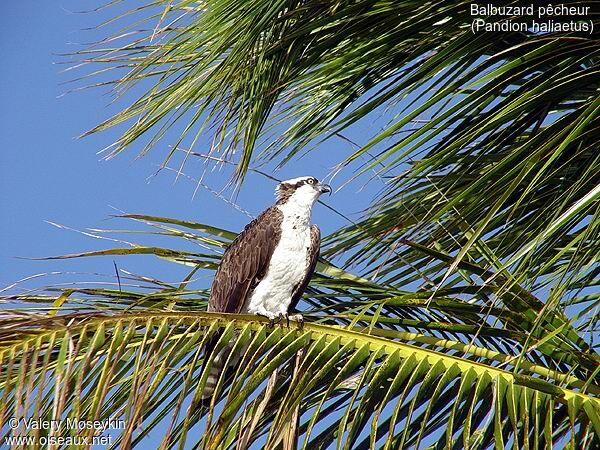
{"x":146,"y":368}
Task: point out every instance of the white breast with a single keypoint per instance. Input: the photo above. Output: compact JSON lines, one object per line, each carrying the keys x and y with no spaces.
{"x":273,"y":295}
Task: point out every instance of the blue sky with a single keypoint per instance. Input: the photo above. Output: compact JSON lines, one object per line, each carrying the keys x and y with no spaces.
{"x":48,"y":175}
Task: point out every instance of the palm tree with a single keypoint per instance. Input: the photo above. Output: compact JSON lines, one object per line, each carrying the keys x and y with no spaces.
{"x":460,"y":311}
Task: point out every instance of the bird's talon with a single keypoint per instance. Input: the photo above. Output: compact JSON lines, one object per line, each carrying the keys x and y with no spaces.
{"x":299,"y":320}
{"x":278,"y":319}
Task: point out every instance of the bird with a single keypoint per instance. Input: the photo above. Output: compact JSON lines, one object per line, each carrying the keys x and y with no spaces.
{"x":268,"y":266}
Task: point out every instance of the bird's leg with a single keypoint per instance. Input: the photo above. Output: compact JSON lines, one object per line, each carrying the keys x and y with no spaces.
{"x":280,"y":318}
{"x":275,"y":319}
{"x":298,"y":318}
{"x":272,"y":319}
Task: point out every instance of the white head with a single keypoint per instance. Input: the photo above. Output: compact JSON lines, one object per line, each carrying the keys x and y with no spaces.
{"x":302,"y":191}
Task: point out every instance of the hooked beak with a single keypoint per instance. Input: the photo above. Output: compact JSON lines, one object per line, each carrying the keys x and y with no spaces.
{"x":324,"y":188}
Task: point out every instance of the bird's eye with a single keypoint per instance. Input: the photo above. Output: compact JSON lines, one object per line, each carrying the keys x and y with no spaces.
{"x":311,"y":181}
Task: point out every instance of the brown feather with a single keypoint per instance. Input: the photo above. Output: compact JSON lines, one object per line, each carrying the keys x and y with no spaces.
{"x":311,"y":262}
{"x":245,"y":262}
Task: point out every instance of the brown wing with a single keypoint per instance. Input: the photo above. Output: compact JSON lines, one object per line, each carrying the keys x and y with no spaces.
{"x":245,"y":262}
{"x":313,"y":255}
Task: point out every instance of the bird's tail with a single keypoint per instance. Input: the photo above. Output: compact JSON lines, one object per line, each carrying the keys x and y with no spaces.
{"x":221,"y":362}
{"x":216,"y":369}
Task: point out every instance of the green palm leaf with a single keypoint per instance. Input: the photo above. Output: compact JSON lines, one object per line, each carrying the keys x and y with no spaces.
{"x":147,"y":368}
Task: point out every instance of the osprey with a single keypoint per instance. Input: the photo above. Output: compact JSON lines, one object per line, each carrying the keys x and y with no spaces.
{"x":267,"y":267}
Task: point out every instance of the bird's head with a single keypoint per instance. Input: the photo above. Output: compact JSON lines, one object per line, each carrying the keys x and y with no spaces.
{"x":302,"y":190}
